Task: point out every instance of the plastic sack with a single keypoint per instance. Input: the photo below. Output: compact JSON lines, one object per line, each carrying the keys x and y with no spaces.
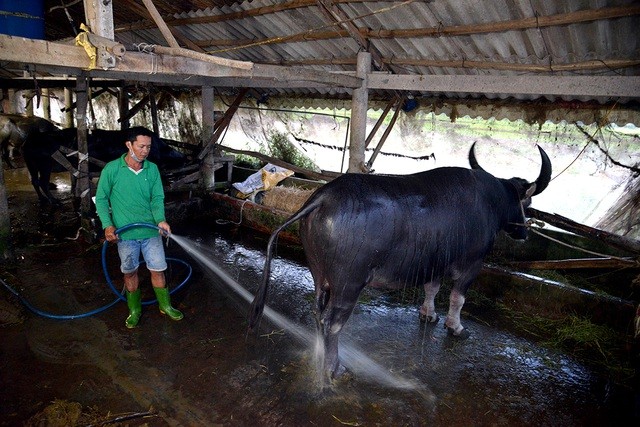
{"x":265,"y":179}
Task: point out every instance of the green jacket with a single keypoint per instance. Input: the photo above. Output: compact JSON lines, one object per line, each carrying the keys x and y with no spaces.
{"x":124,"y":197}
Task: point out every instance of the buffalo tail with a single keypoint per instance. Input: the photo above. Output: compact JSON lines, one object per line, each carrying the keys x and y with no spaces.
{"x":257,"y":305}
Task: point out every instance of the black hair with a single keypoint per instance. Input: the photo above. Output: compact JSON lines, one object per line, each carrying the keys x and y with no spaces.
{"x":132,"y":133}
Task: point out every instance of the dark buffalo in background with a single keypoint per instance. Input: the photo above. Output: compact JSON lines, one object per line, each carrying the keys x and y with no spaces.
{"x":103,"y":145}
{"x":15,"y":130}
{"x":396,"y":231}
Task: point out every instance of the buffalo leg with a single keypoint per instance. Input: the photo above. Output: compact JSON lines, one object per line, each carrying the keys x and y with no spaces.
{"x":453,"y":325}
{"x":40,"y":173}
{"x":457,"y":299}
{"x":332,"y":319}
{"x":428,"y":308}
{"x":43,"y":182}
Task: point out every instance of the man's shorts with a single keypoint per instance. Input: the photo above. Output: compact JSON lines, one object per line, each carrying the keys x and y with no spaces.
{"x":152,"y":252}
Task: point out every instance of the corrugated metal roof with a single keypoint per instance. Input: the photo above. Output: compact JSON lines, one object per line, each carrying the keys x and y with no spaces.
{"x":449,"y":41}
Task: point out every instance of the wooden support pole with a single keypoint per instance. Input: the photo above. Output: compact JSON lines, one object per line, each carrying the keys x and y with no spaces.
{"x":379,"y":122}
{"x":359,"y":108}
{"x":46,"y":104}
{"x":84,"y":185}
{"x":162,"y":26}
{"x":6,"y":250}
{"x":207,"y":170}
{"x":68,"y":109}
{"x":385,"y":135}
{"x":123,"y":108}
{"x":99,"y":15}
{"x":208,"y":113}
{"x":94,"y":95}
{"x":154,"y":110}
{"x":222,"y":124}
{"x":134,"y":110}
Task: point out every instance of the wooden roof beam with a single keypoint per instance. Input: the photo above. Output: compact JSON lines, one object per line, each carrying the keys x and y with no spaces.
{"x":596,"y":64}
{"x":60,"y":58}
{"x":613,"y":87}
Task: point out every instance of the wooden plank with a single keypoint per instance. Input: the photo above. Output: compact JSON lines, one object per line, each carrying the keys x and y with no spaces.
{"x":619,"y":242}
{"x":592,"y":65}
{"x":574,"y":86}
{"x":194,"y":69}
{"x":572,"y":264}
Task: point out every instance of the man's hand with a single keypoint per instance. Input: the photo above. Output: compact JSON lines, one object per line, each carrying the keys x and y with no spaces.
{"x":110,"y":234}
{"x":165,"y":229}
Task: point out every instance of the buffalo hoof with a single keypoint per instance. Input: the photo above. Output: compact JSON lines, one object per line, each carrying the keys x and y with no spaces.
{"x":339,"y":372}
{"x":462,"y":335}
{"x":429,"y":319}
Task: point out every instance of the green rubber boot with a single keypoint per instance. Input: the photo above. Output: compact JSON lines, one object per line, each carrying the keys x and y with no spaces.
{"x":134,"y":301}
{"x":164,"y":303}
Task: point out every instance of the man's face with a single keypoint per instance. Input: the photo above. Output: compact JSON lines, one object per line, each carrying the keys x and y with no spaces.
{"x":140,"y":147}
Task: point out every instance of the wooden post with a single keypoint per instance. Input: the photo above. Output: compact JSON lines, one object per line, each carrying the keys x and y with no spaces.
{"x":99,"y":15}
{"x":84,"y":184}
{"x":46,"y":104}
{"x":8,"y":103}
{"x":6,"y":250}
{"x":154,"y":110}
{"x":359,"y":107}
{"x":30,"y":104}
{"x":68,"y":107}
{"x":207,"y":170}
{"x":123,"y":107}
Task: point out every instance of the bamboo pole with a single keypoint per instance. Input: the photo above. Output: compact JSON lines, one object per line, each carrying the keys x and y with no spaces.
{"x":386,"y":133}
{"x":607,"y":64}
{"x":570,"y":264}
{"x":568,"y":18}
{"x":162,"y":26}
{"x":379,"y":122}
{"x":322,"y":176}
{"x":614,"y":240}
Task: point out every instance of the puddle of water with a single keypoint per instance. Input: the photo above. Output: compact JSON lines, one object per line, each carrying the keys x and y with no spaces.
{"x":354,"y":359}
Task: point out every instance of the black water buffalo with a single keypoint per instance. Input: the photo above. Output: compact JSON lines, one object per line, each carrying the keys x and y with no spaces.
{"x":103,"y":145}
{"x":15,"y":130}
{"x":395,"y":231}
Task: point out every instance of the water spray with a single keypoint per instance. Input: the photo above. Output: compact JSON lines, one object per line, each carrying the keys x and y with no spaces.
{"x":355,"y":360}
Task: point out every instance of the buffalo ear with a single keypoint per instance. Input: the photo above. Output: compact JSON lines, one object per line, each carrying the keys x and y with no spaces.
{"x":530,"y":191}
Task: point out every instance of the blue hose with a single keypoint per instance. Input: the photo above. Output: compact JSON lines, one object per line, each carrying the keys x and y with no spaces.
{"x":121,"y":297}
{"x":106,"y":273}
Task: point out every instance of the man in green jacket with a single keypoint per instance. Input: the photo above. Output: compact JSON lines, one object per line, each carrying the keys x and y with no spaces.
{"x":130,"y":191}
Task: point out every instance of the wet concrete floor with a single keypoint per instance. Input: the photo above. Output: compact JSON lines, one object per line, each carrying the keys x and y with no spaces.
{"x":205,"y":370}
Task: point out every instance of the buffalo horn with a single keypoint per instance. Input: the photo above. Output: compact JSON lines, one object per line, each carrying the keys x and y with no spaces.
{"x":472,"y":158}
{"x":545,"y":169}
{"x":545,"y":172}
